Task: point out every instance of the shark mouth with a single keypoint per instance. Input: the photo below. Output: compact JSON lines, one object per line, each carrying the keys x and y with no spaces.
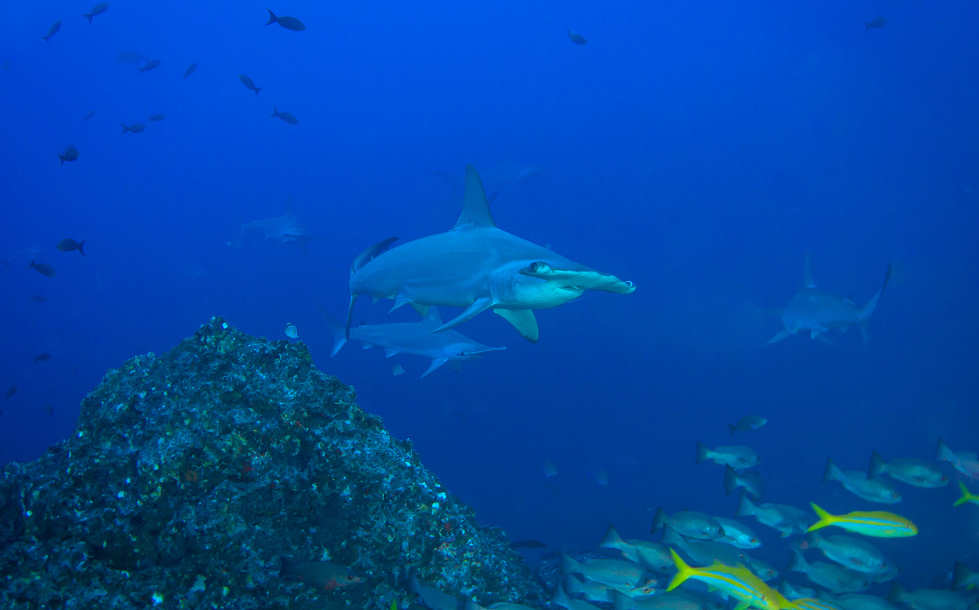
{"x":587,"y":280}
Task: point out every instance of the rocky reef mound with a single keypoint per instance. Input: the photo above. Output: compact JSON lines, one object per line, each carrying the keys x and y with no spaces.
{"x":230,"y":473}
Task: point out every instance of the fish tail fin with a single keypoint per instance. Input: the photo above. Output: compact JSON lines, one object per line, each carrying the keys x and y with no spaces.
{"x":832,"y":472}
{"x":561,"y":598}
{"x":945,"y":453}
{"x":965,"y":497}
{"x":702,"y":452}
{"x":659,"y":520}
{"x":257,"y":89}
{"x":798,"y":562}
{"x":871,"y":305}
{"x":730,"y":480}
{"x":877,"y":465}
{"x":825,"y":519}
{"x":89,"y":17}
{"x":81,"y":248}
{"x":612,"y":540}
{"x":272,"y":17}
{"x":124,"y":128}
{"x":745,"y":507}
{"x":683,"y":571}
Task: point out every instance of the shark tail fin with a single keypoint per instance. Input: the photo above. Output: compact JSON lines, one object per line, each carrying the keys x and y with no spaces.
{"x":871,"y":305}
{"x":272,"y":17}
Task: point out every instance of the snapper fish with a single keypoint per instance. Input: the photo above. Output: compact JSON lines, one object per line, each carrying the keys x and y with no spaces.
{"x":688,"y":523}
{"x":859,"y":484}
{"x":966,"y":462}
{"x":738,"y":457}
{"x":912,"y":471}
{"x":787,"y":520}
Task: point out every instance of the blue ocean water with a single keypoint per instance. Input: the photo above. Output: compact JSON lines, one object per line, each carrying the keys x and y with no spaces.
{"x":698,"y":151}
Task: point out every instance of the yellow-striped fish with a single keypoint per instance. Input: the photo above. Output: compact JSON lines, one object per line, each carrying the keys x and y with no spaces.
{"x":967,"y":496}
{"x":736,"y":581}
{"x":877,"y":523}
{"x":809,"y":603}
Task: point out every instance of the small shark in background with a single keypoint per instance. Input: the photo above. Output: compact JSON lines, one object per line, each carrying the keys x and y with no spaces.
{"x":415,"y":338}
{"x":819,"y":313}
{"x":475,"y":266}
{"x":284,"y":229}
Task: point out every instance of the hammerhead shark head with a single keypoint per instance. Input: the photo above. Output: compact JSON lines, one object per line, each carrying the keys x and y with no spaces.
{"x":475,"y":266}
{"x":819,"y":313}
{"x":416,"y":338}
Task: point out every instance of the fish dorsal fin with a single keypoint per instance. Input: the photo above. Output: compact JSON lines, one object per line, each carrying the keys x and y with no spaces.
{"x":432,"y":315}
{"x":371,"y":253}
{"x":807,"y":280}
{"x":475,"y":208}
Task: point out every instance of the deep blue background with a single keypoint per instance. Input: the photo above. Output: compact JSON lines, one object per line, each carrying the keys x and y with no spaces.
{"x":698,"y":150}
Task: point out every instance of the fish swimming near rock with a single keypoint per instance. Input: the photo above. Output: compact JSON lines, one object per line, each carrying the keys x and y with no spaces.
{"x":70,"y":154}
{"x":289,"y":23}
{"x":415,"y":338}
{"x":43,"y":268}
{"x":476,"y":266}
{"x":97,"y":10}
{"x":736,"y":581}
{"x":818,"y":313}
{"x":52,"y":31}
{"x":70,"y":245}
{"x":190,"y":70}
{"x":248,"y":83}
{"x":286,"y":117}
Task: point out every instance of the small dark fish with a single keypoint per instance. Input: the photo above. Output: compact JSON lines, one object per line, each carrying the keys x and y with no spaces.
{"x":133,"y":128}
{"x":190,"y":70}
{"x":528,"y":544}
{"x":10,"y":392}
{"x":88,"y":115}
{"x":39,"y":299}
{"x":874,"y":24}
{"x":43,"y":268}
{"x":52,"y":31}
{"x":70,"y":154}
{"x":321,"y":574}
{"x":248,"y":83}
{"x":287,"y":117}
{"x":70,"y":245}
{"x":98,"y":9}
{"x":42,"y":357}
{"x":150,"y":65}
{"x":157,"y":117}
{"x":289,"y":23}
{"x":576,"y":37}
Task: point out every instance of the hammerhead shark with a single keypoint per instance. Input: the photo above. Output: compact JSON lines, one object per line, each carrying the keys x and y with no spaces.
{"x":819,"y":313}
{"x":416,"y":338}
{"x":475,"y":266}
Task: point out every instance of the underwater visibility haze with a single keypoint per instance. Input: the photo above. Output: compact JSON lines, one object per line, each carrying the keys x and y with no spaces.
{"x":668,"y":268}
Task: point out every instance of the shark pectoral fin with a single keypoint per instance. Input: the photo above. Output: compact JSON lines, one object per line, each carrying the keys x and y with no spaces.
{"x":779,"y":336}
{"x":390,"y":352}
{"x":478,"y":307}
{"x":399,"y":302}
{"x":371,"y":253}
{"x":523,"y":320}
{"x":436,"y":363}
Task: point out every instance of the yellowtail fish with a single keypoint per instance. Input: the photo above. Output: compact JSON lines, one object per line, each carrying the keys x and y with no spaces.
{"x":967,"y":496}
{"x":877,"y":523}
{"x":736,"y":581}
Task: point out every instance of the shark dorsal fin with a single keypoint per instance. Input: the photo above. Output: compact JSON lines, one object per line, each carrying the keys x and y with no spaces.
{"x":807,"y":280}
{"x":475,"y":207}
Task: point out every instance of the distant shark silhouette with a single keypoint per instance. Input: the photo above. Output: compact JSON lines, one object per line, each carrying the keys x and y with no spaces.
{"x":819,"y":313}
{"x":415,"y":338}
{"x":475,"y":266}
{"x":284,"y":229}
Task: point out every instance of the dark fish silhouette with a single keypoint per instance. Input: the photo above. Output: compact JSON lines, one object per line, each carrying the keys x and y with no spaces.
{"x":248,"y":83}
{"x":157,"y":117}
{"x":39,"y":298}
{"x":88,"y":115}
{"x":286,"y":117}
{"x":10,"y":392}
{"x":70,"y":245}
{"x":190,"y":70}
{"x":52,"y":30}
{"x":576,"y":37}
{"x":133,"y":128}
{"x":289,"y":23}
{"x":150,"y":65}
{"x":70,"y":154}
{"x":98,"y":9}
{"x":43,"y":268}
{"x":874,"y":24}
{"x":42,"y":357}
